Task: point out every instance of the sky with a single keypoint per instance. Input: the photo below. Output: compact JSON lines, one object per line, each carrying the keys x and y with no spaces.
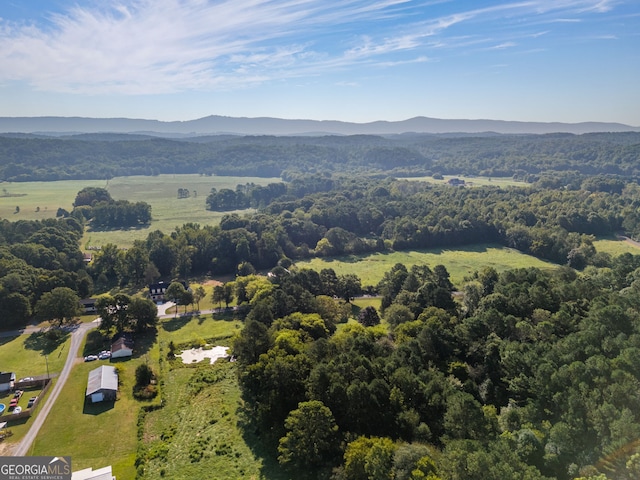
{"x":352,"y":60}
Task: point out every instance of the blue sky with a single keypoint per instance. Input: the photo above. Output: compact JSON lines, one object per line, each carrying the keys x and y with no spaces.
{"x":352,"y":60}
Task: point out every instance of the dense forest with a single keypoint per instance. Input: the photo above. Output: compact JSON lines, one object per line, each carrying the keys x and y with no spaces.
{"x":29,"y":157}
{"x":528,"y":374}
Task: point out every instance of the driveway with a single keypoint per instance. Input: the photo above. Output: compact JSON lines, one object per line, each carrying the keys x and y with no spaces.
{"x":77,"y":335}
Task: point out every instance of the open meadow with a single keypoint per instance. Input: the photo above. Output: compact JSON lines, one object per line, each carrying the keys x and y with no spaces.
{"x":616,"y":246}
{"x":38,"y":200}
{"x":461,"y":262}
{"x":474,"y":181}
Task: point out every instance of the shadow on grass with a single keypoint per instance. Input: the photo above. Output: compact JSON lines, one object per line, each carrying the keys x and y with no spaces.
{"x":175,"y":323}
{"x":97,"y":408}
{"x":19,"y":421}
{"x":93,"y":228}
{"x":5,"y":340}
{"x":144,"y":341}
{"x":46,"y":342}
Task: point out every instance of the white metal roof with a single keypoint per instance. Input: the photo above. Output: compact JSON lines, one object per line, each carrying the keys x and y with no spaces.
{"x":103,"y":473}
{"x":104,"y":377}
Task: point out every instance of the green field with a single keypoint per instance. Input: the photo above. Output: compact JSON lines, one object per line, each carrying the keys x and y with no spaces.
{"x":38,"y":200}
{"x":616,"y":246}
{"x":460,"y":262}
{"x":475,"y":181}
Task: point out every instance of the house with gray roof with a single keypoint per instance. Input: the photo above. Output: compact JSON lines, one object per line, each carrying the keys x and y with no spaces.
{"x":102,"y":384}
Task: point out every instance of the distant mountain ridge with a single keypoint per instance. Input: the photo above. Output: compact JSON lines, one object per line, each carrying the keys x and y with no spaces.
{"x":217,"y":125}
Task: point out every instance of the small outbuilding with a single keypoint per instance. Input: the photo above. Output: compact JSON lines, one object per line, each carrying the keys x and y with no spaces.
{"x":102,"y":384}
{"x":122,"y":347}
{"x":7,"y":381}
{"x":88,"y":305}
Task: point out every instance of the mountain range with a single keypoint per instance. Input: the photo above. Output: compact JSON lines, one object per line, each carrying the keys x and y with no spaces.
{"x":217,"y":125}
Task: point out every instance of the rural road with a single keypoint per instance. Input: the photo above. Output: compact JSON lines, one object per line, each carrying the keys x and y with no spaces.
{"x":76,"y":340}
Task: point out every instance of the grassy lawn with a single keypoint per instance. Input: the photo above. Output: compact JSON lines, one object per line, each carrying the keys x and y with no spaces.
{"x":182,"y":330}
{"x":38,"y":200}
{"x":25,"y":354}
{"x":21,"y":426}
{"x":460,"y":262}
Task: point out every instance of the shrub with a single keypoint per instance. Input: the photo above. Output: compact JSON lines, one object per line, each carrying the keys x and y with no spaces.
{"x":146,"y":392}
{"x":144,"y":375}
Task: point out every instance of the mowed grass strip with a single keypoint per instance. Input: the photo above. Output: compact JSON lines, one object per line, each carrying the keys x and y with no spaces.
{"x":184,"y":329}
{"x":460,"y":263}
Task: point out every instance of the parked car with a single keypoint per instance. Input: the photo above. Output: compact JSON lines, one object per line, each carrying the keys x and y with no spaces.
{"x":90,"y":358}
{"x":17,"y":410}
{"x":32,"y":400}
{"x":18,"y":394}
{"x":26,"y":379}
{"x":13,"y":403}
{"x":104,"y":355}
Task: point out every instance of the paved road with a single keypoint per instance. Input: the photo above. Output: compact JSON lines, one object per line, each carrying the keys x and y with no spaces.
{"x":22,"y":331}
{"x":76,"y":340}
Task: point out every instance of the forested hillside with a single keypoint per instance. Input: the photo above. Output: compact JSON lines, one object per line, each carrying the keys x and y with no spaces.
{"x":96,"y":156}
{"x":531,"y":375}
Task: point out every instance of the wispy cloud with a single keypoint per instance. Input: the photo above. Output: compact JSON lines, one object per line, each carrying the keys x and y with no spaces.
{"x":161,"y":46}
{"x":503,"y":46}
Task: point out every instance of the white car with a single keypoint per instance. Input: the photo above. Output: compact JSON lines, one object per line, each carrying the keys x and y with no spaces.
{"x":17,"y":410}
{"x":90,"y":358}
{"x":104,"y":355}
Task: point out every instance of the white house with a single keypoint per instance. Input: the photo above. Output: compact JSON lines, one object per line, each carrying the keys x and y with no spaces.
{"x":122,"y":347}
{"x":7,"y":380}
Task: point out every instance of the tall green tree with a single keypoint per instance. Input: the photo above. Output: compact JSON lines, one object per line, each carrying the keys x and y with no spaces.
{"x":60,"y":305}
{"x":312,"y":436}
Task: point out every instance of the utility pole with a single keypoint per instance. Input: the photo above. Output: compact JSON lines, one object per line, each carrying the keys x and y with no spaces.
{"x":47,"y":362}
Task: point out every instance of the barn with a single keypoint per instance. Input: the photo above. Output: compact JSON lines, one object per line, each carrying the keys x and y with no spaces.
{"x":102,"y":384}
